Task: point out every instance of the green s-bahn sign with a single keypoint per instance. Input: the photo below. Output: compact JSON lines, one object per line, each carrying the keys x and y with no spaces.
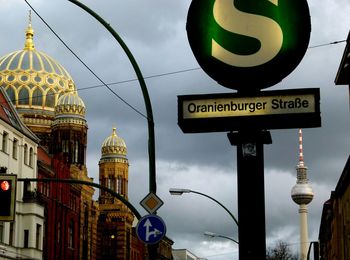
{"x":248,"y":45}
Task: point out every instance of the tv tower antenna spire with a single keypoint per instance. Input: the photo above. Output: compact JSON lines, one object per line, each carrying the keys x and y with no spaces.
{"x":302,"y":194}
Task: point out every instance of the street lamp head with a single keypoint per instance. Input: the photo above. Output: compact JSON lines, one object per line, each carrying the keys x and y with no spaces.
{"x":176,"y":191}
{"x":210,"y":234}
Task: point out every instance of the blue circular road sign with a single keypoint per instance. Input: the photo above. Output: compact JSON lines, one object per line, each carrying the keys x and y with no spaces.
{"x":151,"y":229}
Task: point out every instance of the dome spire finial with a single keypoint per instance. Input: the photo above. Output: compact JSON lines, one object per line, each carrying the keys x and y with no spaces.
{"x":29,"y":44}
{"x":30,"y":17}
{"x":71,"y":87}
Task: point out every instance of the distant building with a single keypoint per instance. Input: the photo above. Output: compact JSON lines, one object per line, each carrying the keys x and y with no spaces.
{"x":22,"y":238}
{"x":115,"y":219}
{"x":43,"y":135}
{"x":184,"y":254}
{"x":334,"y":234}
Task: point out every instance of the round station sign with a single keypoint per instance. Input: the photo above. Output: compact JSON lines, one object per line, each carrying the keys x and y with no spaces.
{"x":248,"y":45}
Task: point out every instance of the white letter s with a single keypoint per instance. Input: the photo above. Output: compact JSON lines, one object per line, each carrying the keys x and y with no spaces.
{"x":264,"y":29}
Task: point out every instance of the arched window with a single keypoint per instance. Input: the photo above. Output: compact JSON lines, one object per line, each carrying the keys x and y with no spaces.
{"x":14,"y":148}
{"x":65,"y":146}
{"x":119,"y":184}
{"x":71,"y":235}
{"x":37,"y":98}
{"x":25,"y":154}
{"x":50,"y":98}
{"x":23,"y":97}
{"x":11,"y":94}
{"x":59,"y":232}
{"x":31,"y":156}
{"x":75,"y":152}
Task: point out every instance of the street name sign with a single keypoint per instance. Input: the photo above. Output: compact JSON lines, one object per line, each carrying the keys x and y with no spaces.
{"x":151,"y":229}
{"x":279,"y":109}
{"x":248,"y":45}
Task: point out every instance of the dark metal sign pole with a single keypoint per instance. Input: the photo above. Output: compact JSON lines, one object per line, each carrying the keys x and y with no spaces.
{"x":251,"y":192}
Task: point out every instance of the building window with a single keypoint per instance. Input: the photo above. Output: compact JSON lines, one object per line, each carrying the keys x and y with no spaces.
{"x":109,"y":183}
{"x":65,"y":146}
{"x":26,"y":238}
{"x":14,"y":148}
{"x":37,"y":98}
{"x":23,"y":97}
{"x":11,"y":234}
{"x":25,"y":154}
{"x":31,"y":156}
{"x":44,"y":188}
{"x":38,"y":236}
{"x":50,"y":98}
{"x":58,"y":232}
{"x":27,"y":190}
{"x":11,"y":93}
{"x":75,"y":152}
{"x":71,"y":235}
{"x":5,"y":137}
{"x":119,"y":185}
{"x":1,"y":232}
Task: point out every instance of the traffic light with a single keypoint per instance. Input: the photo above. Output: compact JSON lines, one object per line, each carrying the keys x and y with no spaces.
{"x":7,"y":197}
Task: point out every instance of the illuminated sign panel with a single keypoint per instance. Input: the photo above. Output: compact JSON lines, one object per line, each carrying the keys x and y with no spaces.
{"x":248,"y":44}
{"x":270,"y":110}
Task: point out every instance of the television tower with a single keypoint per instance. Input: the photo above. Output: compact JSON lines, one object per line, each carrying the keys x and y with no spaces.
{"x":302,"y":195}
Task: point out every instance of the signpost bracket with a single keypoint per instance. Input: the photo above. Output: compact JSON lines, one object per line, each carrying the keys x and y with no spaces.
{"x":241,"y":137}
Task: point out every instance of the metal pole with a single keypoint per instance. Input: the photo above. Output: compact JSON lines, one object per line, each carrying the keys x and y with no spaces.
{"x":99,"y":186}
{"x":151,"y":139}
{"x":251,"y":192}
{"x":152,"y":249}
{"x":229,"y":238}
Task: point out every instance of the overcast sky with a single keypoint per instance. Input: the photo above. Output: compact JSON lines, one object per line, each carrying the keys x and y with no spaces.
{"x":154,"y":31}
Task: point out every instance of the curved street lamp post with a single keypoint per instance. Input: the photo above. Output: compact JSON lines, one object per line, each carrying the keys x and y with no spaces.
{"x":152,"y":249}
{"x":140,"y":78}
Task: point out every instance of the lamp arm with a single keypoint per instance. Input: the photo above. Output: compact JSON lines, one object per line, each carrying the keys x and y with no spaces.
{"x":229,"y":212}
{"x":228,"y":238}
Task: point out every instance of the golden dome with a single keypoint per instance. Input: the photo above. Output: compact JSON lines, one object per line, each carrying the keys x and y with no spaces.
{"x":113,"y":146}
{"x":32,"y":79}
{"x":70,"y":104}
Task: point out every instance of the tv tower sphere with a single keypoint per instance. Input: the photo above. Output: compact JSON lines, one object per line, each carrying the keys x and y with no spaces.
{"x":302,"y":193}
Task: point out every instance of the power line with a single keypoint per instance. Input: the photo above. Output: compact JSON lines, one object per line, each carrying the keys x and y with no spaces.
{"x":188,"y":70}
{"x":134,"y":79}
{"x":147,"y":77}
{"x":326,"y":44}
{"x":85,"y":65}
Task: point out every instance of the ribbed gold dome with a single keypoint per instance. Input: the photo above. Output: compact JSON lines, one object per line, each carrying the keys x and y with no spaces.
{"x":32,"y":79}
{"x":113,"y":146}
{"x":70,"y":104}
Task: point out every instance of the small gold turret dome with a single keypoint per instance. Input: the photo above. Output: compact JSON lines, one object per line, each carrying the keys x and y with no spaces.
{"x":113,"y":146}
{"x":70,"y":104}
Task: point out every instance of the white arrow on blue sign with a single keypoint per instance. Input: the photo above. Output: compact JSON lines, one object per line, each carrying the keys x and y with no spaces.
{"x":151,"y":229}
